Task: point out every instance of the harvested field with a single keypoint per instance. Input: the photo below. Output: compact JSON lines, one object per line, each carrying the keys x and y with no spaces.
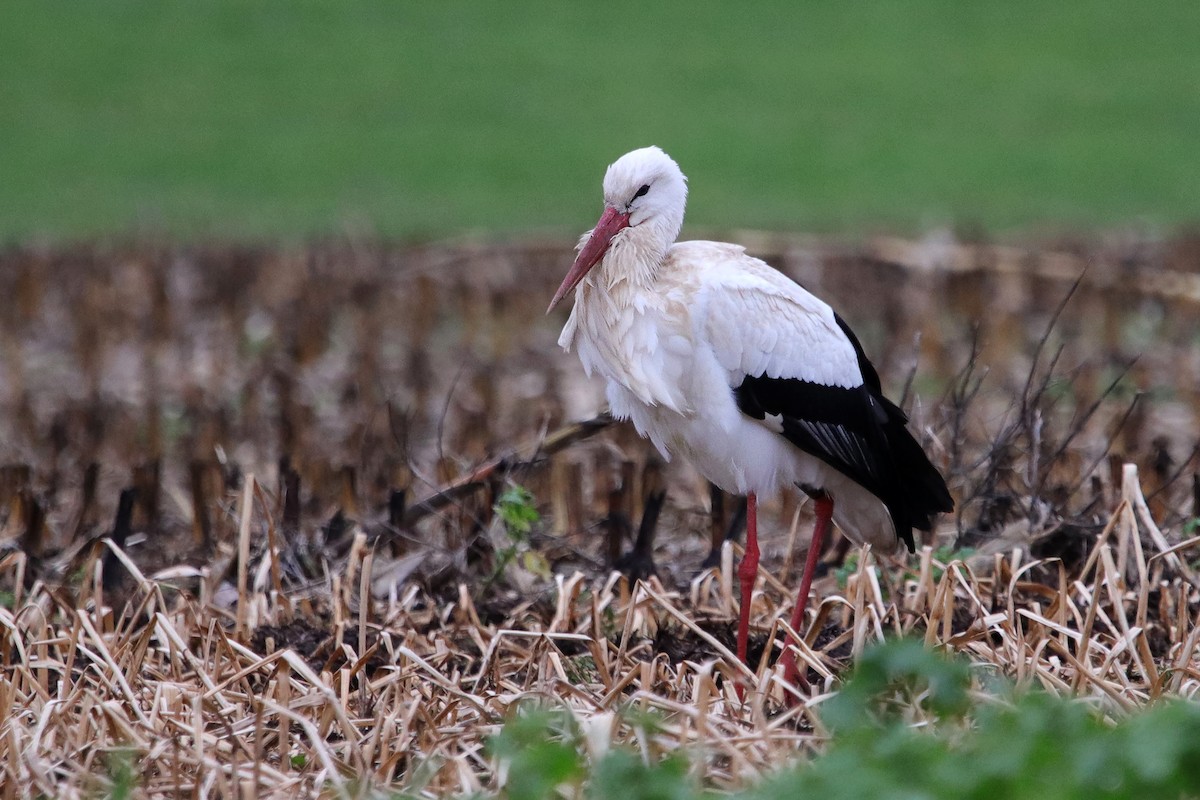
{"x":249,"y":503}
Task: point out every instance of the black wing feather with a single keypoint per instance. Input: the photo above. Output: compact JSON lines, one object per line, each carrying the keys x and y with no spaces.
{"x":858,"y":432}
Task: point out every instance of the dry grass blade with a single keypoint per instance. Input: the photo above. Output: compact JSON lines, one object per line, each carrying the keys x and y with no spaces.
{"x":436,"y":695}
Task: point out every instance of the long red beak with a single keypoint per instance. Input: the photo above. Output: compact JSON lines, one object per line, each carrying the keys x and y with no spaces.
{"x":611,"y":223}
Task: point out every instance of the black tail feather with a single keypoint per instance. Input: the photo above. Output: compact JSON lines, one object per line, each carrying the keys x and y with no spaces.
{"x":919,"y":492}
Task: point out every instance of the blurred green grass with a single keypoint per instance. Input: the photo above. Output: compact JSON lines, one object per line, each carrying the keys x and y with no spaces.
{"x":274,"y":118}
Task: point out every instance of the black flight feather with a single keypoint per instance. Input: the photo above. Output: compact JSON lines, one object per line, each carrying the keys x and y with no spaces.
{"x":858,"y":432}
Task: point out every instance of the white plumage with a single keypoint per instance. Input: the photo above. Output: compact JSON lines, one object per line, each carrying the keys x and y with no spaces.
{"x":716,"y":356}
{"x":673,"y":340}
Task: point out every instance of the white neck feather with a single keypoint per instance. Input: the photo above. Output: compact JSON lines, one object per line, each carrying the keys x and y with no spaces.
{"x":632,"y":263}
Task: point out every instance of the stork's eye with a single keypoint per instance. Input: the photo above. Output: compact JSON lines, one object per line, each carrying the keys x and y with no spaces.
{"x":645,"y":188}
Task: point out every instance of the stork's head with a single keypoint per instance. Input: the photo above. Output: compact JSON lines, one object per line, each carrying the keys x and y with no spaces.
{"x":644,"y":196}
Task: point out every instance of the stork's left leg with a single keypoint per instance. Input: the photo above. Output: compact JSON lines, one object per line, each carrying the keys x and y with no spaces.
{"x":823,"y":507}
{"x":747,"y":573}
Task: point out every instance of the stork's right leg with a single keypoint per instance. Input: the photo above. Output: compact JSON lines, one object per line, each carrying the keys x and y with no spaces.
{"x":747,"y":573}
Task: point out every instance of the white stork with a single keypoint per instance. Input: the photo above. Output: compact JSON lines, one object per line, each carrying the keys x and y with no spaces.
{"x":716,"y":356}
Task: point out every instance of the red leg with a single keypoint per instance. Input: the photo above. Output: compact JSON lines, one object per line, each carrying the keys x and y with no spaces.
{"x":747,"y":572}
{"x":824,"y":512}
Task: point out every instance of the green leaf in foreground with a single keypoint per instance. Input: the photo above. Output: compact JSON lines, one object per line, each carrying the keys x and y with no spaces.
{"x":542,"y":751}
{"x":909,"y":723}
{"x":623,"y":774}
{"x":899,"y":675}
{"x":122,"y":781}
{"x":1019,"y":746}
